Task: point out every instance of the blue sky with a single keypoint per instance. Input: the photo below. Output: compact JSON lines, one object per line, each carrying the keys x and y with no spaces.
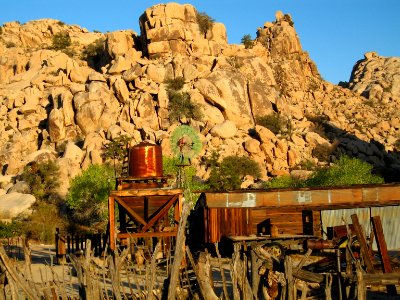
{"x":335,"y":33}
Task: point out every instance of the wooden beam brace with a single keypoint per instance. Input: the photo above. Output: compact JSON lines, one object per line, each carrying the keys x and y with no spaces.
{"x":160,"y":213}
{"x":130,"y":211}
{"x":365,"y":252}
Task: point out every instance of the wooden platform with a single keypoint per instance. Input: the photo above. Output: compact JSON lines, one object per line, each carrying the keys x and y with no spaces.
{"x":143,"y":213}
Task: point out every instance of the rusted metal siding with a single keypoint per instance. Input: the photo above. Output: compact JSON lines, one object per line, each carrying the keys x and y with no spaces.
{"x":390,"y":217}
{"x":221,"y":222}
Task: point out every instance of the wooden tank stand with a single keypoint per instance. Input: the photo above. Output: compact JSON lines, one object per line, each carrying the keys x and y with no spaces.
{"x":145,"y":209}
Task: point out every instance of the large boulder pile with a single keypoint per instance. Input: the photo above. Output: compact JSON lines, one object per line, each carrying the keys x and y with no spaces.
{"x":54,"y":105}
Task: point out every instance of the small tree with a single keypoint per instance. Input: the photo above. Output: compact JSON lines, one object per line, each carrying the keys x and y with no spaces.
{"x":116,"y":150}
{"x":42,"y":178}
{"x":247,"y":41}
{"x":205,"y":22}
{"x":88,"y":195}
{"x":180,"y":105}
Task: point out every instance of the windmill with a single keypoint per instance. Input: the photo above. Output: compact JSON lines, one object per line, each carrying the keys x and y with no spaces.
{"x":185,"y":145}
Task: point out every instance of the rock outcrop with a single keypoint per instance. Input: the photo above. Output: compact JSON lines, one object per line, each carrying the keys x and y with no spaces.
{"x":53,"y":97}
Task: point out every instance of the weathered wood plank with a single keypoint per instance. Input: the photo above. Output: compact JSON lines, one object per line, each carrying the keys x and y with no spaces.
{"x":382,"y":249}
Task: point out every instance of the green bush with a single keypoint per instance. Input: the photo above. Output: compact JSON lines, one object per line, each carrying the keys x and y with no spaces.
{"x":61,"y":41}
{"x":87,"y":196}
{"x":228,"y":174}
{"x":205,"y":22}
{"x":285,"y":181}
{"x":346,"y":171}
{"x":247,"y":41}
{"x":42,"y":178}
{"x":180,"y":105}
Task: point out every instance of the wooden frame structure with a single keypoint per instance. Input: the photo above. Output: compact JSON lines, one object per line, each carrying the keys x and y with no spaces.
{"x":143,"y":213}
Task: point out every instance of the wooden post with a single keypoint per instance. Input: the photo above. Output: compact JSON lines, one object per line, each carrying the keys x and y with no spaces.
{"x":255,"y":277}
{"x":361,"y":288}
{"x":365,"y":252}
{"x":179,"y":251}
{"x":225,"y":289}
{"x":383,"y":253}
{"x":111,"y":223}
{"x":289,"y":278}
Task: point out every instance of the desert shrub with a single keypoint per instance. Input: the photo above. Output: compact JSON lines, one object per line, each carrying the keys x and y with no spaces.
{"x":175,"y":84}
{"x":323,"y":152}
{"x":205,"y":22}
{"x":307,"y":164}
{"x":10,"y":45}
{"x":70,"y":52}
{"x":61,"y":41}
{"x":180,"y":105}
{"x":88,"y":195}
{"x":93,"y":52}
{"x":247,"y":41}
{"x":42,"y":178}
{"x":346,"y":171}
{"x":13,"y":229}
{"x":285,"y":181}
{"x":42,"y":223}
{"x":229,"y":173}
{"x":61,"y":23}
{"x":274,"y":122}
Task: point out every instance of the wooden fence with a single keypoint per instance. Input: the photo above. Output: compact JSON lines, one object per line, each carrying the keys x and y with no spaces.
{"x":76,"y":243}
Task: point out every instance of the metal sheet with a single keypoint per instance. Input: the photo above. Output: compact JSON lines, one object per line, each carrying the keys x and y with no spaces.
{"x":390,"y":217}
{"x":356,"y":196}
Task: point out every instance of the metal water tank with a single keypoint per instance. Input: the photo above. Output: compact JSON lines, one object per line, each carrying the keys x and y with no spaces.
{"x":145,"y":160}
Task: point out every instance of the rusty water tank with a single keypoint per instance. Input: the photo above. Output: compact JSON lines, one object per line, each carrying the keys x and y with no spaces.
{"x":145,"y":160}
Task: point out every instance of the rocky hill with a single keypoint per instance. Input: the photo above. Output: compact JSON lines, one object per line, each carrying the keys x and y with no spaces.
{"x":66,"y":102}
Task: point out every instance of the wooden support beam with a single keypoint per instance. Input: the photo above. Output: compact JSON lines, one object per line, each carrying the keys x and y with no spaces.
{"x":382,"y":249}
{"x":130,"y":211}
{"x":365,"y":252}
{"x":160,"y":213}
{"x":145,"y":192}
{"x":124,"y":235}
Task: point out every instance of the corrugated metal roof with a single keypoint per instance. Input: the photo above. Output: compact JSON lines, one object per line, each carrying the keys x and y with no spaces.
{"x":390,"y":218}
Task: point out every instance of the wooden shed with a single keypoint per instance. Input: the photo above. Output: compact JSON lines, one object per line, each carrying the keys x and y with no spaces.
{"x":292,"y":211}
